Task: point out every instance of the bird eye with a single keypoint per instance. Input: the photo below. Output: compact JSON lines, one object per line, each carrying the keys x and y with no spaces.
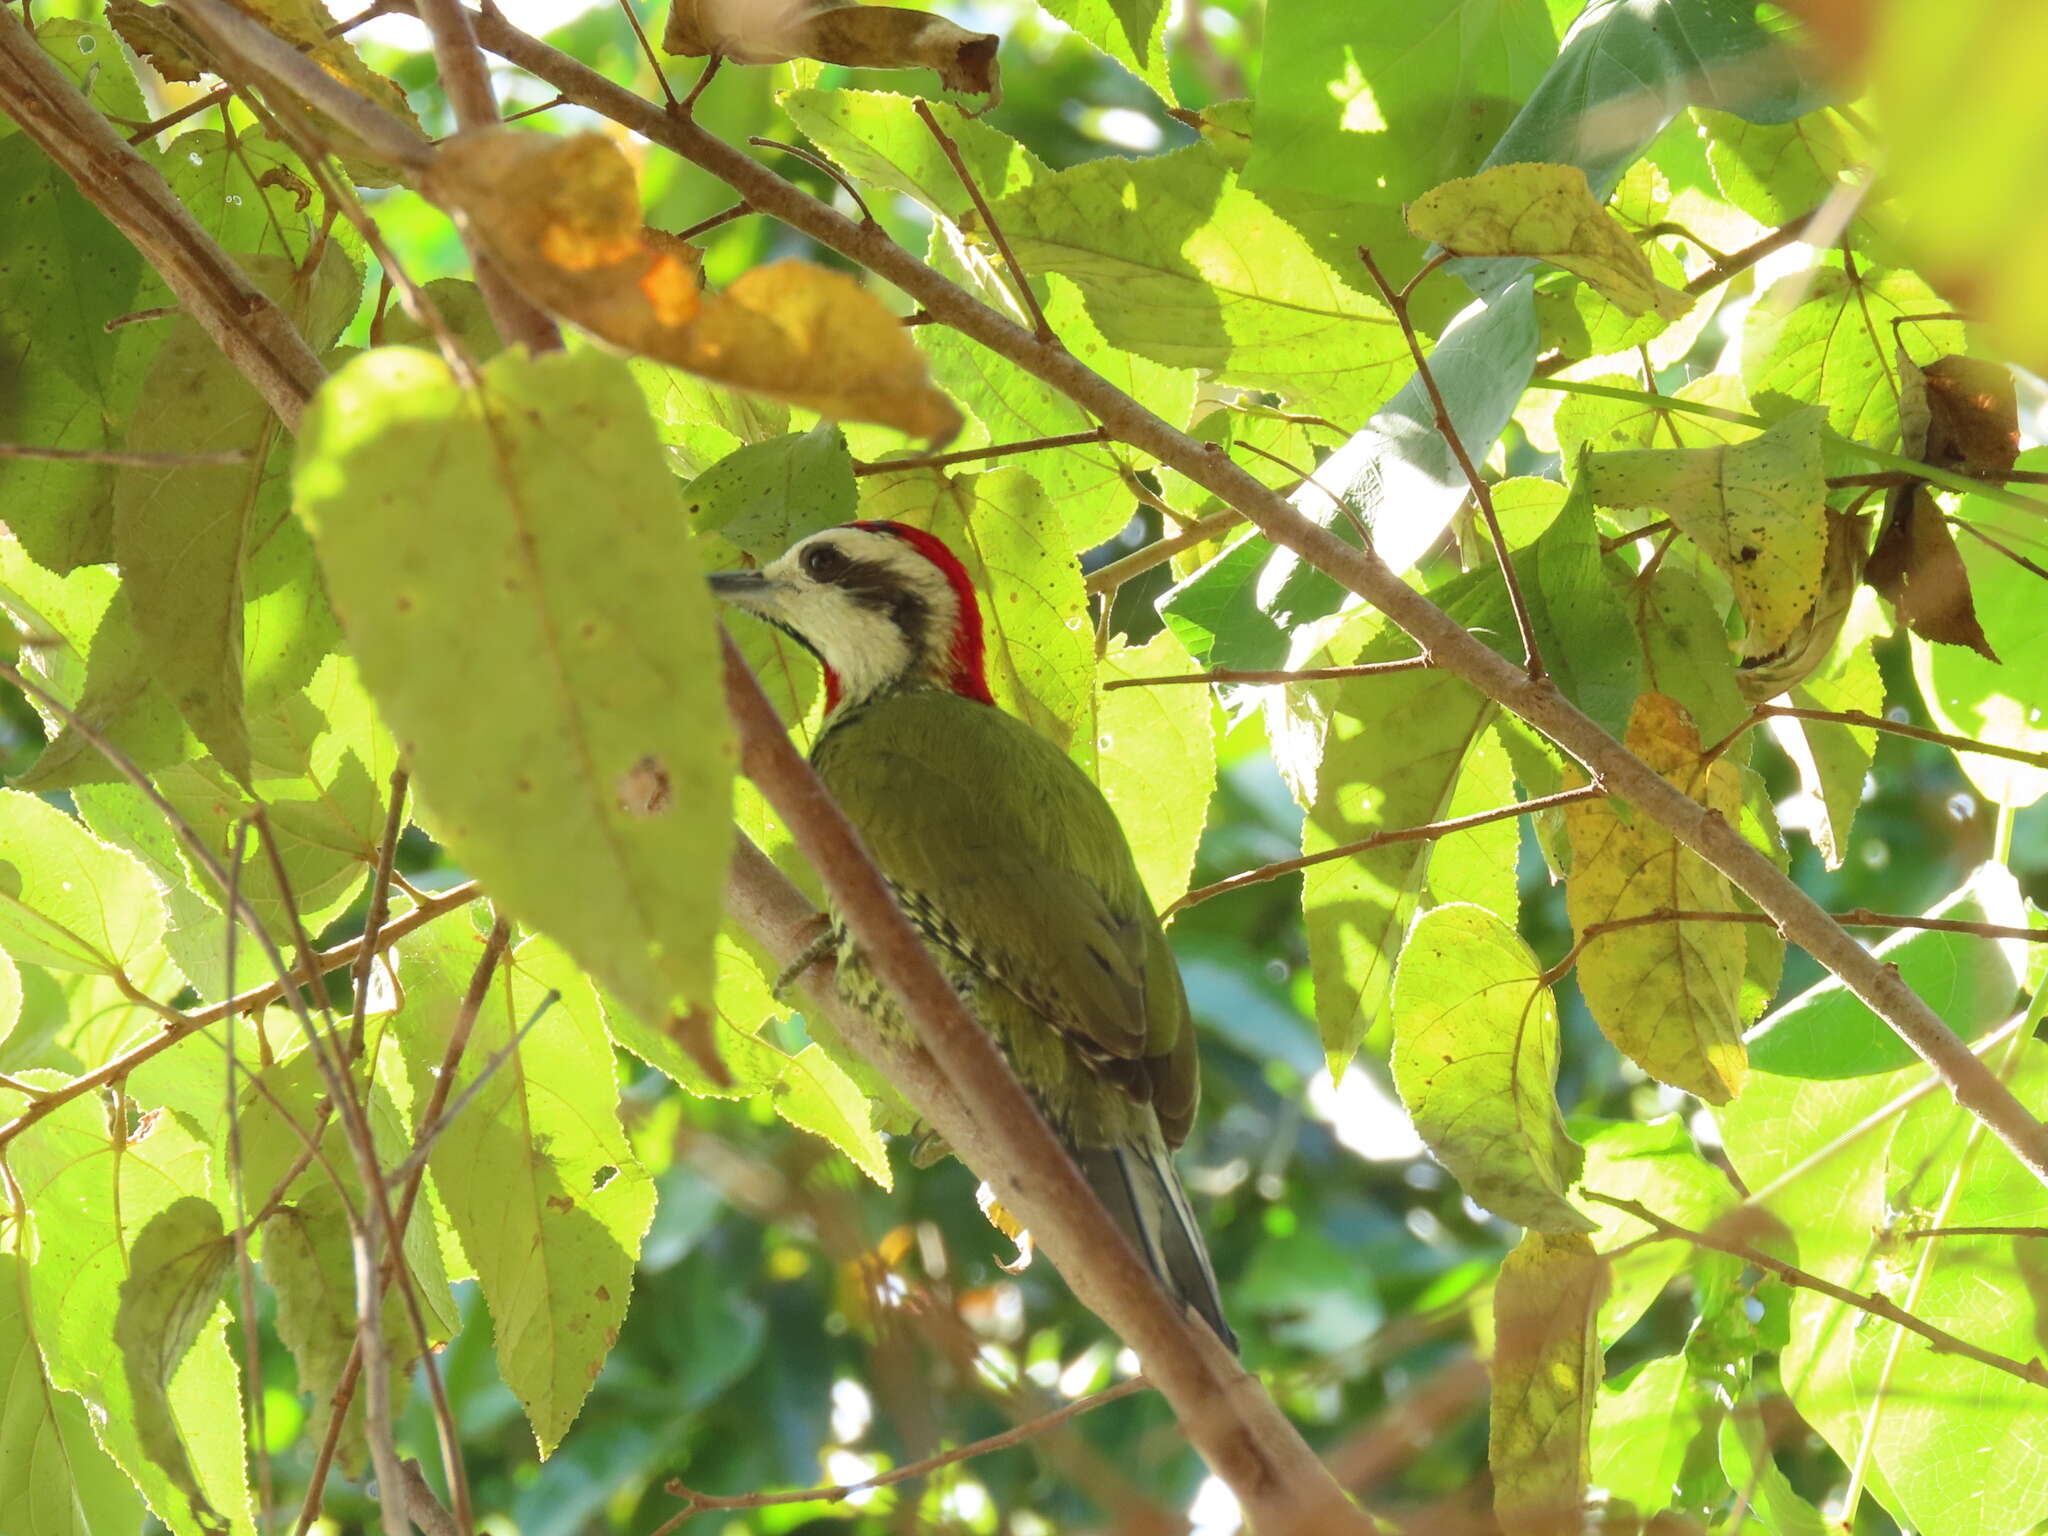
{"x":823,"y":562}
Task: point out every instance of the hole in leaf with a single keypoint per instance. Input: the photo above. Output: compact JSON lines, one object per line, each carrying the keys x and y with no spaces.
{"x":602,"y":1177}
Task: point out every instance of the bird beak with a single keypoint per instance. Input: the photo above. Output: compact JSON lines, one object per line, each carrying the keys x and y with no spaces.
{"x":751,"y":590}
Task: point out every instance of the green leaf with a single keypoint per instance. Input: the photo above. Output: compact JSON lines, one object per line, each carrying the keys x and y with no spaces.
{"x":1475,"y":1062}
{"x":1394,"y":749}
{"x":93,"y":1196}
{"x":1828,"y":1032}
{"x":1988,"y":702}
{"x":1156,"y":759}
{"x":1826,"y":337}
{"x":1091,"y":482}
{"x":65,"y":271}
{"x":68,"y":900}
{"x":1768,"y":1500}
{"x":700,"y":422}
{"x":438,"y":512}
{"x":177,"y":1270}
{"x":1379,"y":101}
{"x":816,"y":1095}
{"x":1656,"y":1164}
{"x":1668,"y":992}
{"x":1756,"y":508}
{"x":536,"y":1174}
{"x":740,"y":1007}
{"x":54,"y":1478}
{"x":184,"y":534}
{"x":1837,"y":759}
{"x":1779,"y":172}
{"x":764,"y":497}
{"x":1133,"y":32}
{"x":1547,"y":212}
{"x":1034,"y":609}
{"x":878,"y":137}
{"x":1607,"y":424}
{"x":252,"y":195}
{"x":1158,"y":250}
{"x":1685,"y":650}
{"x":1582,"y":619}
{"x":1644,"y":1424}
{"x":1546,"y":1379}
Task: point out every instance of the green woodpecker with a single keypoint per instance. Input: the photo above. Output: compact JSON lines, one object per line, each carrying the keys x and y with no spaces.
{"x":1010,"y":864}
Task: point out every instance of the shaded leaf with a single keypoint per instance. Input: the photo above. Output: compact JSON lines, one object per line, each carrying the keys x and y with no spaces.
{"x":1133,"y":32}
{"x":1757,"y":509}
{"x":157,"y":35}
{"x":1917,"y":567}
{"x":1475,"y":1061}
{"x":764,"y":497}
{"x":1836,"y":764}
{"x":1667,"y":993}
{"x":442,"y":517}
{"x":835,"y":32}
{"x":1548,"y":212}
{"x":1643,"y":1425}
{"x":1546,"y":1380}
{"x":1959,"y":413}
{"x":177,"y":1269}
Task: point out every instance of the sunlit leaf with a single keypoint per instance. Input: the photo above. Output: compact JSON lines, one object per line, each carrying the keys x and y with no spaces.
{"x":1548,"y":212}
{"x":441,"y":519}
{"x":1156,"y":759}
{"x":1666,"y":992}
{"x":1133,"y":32}
{"x":68,"y":900}
{"x":1546,"y":1380}
{"x":1756,"y":508}
{"x":1475,"y":1060}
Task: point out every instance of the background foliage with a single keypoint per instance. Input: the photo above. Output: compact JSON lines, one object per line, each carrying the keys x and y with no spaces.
{"x":741,"y":1283}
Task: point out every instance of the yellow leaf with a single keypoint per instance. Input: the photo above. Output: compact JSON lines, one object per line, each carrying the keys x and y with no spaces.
{"x":1546,"y":1377}
{"x":1548,"y":212}
{"x":1757,"y":509}
{"x":562,"y":218}
{"x":1667,"y":993}
{"x":158,"y":36}
{"x":835,"y":32}
{"x":306,"y":24}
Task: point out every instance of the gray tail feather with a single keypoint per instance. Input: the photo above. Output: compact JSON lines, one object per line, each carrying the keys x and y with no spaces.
{"x":1144,"y":1196}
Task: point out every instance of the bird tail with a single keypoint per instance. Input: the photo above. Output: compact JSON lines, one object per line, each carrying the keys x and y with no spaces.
{"x":1143,"y":1193}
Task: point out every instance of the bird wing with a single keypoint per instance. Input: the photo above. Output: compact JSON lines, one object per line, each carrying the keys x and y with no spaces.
{"x":1022,"y":866}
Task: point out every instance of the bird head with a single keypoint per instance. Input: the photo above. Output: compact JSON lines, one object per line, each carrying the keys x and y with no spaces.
{"x":881,"y":605}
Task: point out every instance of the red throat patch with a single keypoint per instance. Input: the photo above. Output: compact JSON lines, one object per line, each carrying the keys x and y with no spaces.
{"x":965,"y":673}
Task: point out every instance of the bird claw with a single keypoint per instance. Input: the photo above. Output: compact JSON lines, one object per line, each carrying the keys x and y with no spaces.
{"x":820,"y":945}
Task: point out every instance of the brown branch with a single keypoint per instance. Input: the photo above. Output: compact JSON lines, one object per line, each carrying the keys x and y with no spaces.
{"x":1039,"y":328}
{"x":380,"y":909}
{"x":969,"y":455}
{"x":467,"y":80}
{"x":46,"y":1100}
{"x":705,"y":226}
{"x":252,"y":331}
{"x":2033,"y":1372}
{"x":1901,"y":728}
{"x":1921,"y":1232}
{"x":964,"y":1089}
{"x":1422,"y":834}
{"x":1482,"y":494}
{"x":825,"y":167}
{"x":698,"y":1503}
{"x":121,"y":456}
{"x":1725,"y":267}
{"x":1267,"y":679}
{"x":1361,"y":571}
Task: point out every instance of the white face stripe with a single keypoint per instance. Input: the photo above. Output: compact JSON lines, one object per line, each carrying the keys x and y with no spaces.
{"x":865,"y":644}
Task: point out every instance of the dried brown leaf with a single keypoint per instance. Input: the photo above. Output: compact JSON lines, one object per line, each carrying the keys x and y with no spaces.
{"x":835,"y":32}
{"x":158,"y":36}
{"x":562,"y":217}
{"x":1917,"y":567}
{"x":1959,"y":413}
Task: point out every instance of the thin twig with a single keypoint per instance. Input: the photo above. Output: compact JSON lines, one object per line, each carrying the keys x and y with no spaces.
{"x":1725,"y":267}
{"x":192,"y":108}
{"x":1482,"y":494}
{"x":121,"y":456}
{"x":2033,"y":1372}
{"x":1264,"y":679}
{"x":647,"y":51}
{"x":380,"y":909}
{"x":1920,"y":1232}
{"x":467,"y":80}
{"x":1901,"y":728}
{"x":1039,"y":328}
{"x":1108,"y":578}
{"x":969,"y":455}
{"x":1422,"y":834}
{"x":819,"y":162}
{"x":698,"y":1503}
{"x":705,"y":226}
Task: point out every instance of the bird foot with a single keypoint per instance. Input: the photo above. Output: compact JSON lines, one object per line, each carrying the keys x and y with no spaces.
{"x":820,"y":945}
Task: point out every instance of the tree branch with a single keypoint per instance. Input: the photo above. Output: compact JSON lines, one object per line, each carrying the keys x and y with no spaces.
{"x":969,"y":455}
{"x":698,"y":1503}
{"x":1901,"y":728}
{"x":1269,"y":679}
{"x":963,"y":1088}
{"x":1447,"y":642}
{"x":254,"y":334}
{"x":2033,"y":1372}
